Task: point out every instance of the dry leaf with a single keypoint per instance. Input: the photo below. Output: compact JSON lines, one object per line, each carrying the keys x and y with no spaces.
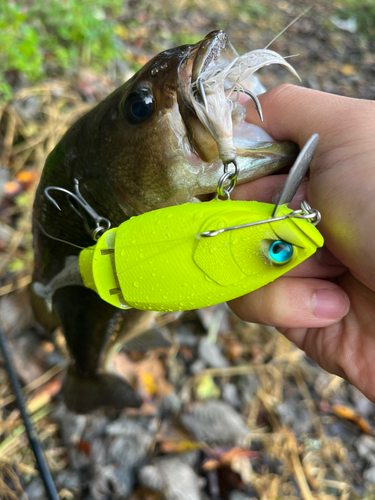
{"x":348,"y":70}
{"x":26,"y":178}
{"x":151,"y":375}
{"x":12,"y":188}
{"x":352,"y":416}
{"x":206,"y":388}
{"x":178,"y":446}
{"x":226,"y":458}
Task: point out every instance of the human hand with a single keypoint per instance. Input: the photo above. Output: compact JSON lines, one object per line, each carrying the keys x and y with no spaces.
{"x":326,"y":306}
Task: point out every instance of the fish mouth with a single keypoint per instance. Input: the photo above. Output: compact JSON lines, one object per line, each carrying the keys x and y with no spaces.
{"x":214,"y":49}
{"x":211,"y":78}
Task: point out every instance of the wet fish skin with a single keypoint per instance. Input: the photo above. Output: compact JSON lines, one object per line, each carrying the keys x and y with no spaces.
{"x":124,"y":169}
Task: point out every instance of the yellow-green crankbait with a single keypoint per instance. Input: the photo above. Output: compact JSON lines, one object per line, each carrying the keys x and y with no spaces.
{"x":161,"y":260}
{"x":197,"y":254}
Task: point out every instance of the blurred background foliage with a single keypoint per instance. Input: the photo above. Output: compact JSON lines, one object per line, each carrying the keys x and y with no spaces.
{"x":41,"y":39}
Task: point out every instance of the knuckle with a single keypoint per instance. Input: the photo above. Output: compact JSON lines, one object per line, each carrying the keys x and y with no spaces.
{"x":275,"y":305}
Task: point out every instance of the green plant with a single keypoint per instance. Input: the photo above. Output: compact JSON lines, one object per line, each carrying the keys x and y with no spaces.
{"x":364,"y":13}
{"x":19,"y":45}
{"x":56,"y":35}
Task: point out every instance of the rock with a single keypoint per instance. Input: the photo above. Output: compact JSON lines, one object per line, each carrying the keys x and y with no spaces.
{"x":190,"y":458}
{"x":170,"y":404}
{"x":186,"y":337}
{"x":369,"y":477}
{"x":27,"y":108}
{"x":366,"y":448}
{"x":215,"y":317}
{"x":130,"y":451}
{"x":362,"y":404}
{"x":72,"y":425}
{"x":111,"y":482}
{"x":68,"y":479}
{"x":343,"y":430}
{"x":214,"y":422}
{"x":230,"y":396}
{"x":177,"y":373}
{"x":36,"y":490}
{"x":248,"y":386}
{"x":173,"y":477}
{"x":211,"y":354}
{"x":294,"y":414}
{"x":238,"y":495}
{"x":349,"y":24}
{"x":127,"y":426}
{"x":198,"y":366}
{"x":132,"y":441}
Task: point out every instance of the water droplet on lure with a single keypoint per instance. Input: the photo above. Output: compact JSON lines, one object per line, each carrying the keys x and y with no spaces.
{"x":136,"y":284}
{"x":154,"y":71}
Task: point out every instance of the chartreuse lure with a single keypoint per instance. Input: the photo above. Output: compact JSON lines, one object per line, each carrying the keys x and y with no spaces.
{"x":161,"y":261}
{"x":197,"y":254}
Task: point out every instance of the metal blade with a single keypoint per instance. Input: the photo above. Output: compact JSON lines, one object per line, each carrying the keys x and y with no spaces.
{"x":297,"y":173}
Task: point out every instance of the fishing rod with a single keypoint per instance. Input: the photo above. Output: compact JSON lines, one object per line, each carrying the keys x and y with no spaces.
{"x":30,"y":431}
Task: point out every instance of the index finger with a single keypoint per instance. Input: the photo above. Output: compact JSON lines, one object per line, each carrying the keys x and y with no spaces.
{"x":295,"y":113}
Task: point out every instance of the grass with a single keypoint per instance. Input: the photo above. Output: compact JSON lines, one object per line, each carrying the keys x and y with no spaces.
{"x":49,"y":37}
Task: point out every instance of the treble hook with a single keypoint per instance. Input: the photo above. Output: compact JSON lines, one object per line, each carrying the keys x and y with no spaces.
{"x":102,"y":224}
{"x":256,"y":101}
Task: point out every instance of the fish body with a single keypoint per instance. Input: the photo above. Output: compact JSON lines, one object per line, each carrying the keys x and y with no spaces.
{"x":162,"y":262}
{"x":140,"y":149}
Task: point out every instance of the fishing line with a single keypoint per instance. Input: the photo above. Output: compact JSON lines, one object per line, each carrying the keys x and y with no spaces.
{"x":292,"y":55}
{"x":30,"y":431}
{"x":289,"y":25}
{"x":57,"y":239}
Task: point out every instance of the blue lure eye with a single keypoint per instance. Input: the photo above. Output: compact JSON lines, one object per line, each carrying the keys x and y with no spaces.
{"x":280,"y":252}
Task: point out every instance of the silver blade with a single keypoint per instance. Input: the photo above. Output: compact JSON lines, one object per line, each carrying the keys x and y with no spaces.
{"x":297,"y":172}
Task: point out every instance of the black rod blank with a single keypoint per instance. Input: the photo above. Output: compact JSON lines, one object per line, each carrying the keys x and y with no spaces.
{"x":30,"y":431}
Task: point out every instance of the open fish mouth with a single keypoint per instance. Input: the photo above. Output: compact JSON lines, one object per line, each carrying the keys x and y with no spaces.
{"x":211,"y":79}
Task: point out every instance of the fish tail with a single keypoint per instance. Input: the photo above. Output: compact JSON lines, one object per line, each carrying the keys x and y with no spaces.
{"x":85,"y":394}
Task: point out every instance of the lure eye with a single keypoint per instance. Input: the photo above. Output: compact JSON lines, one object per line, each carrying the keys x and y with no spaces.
{"x":139,"y":106}
{"x":280,"y":252}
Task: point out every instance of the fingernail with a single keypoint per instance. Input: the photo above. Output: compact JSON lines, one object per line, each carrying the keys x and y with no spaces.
{"x":330,"y":303}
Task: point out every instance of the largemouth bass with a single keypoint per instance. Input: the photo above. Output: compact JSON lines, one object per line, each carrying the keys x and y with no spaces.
{"x":158,"y":140}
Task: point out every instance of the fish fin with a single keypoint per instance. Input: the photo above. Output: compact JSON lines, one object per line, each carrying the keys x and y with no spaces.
{"x":43,"y":312}
{"x":150,"y":339}
{"x":86,"y":394}
{"x":45,"y":293}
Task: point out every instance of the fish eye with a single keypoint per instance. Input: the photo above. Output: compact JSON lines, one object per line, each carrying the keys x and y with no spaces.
{"x":139,"y":106}
{"x":280,"y":252}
